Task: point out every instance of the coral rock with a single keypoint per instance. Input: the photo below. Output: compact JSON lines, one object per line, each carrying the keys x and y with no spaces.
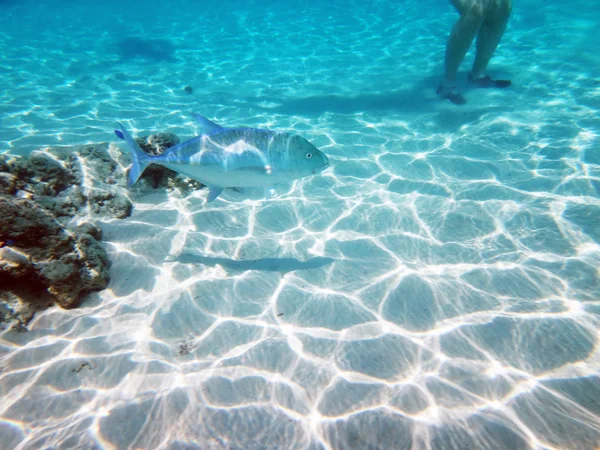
{"x":40,"y":261}
{"x":47,"y":175}
{"x":110,"y":203}
{"x":55,"y":178}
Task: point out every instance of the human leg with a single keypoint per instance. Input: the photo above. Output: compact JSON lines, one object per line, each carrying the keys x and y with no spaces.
{"x":471,"y":13}
{"x":489,"y":36}
{"x":461,"y":37}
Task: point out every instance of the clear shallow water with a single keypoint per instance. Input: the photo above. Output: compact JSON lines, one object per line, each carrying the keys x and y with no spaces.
{"x":448,"y":292}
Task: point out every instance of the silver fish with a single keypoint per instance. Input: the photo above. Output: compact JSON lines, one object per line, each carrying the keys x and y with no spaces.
{"x":233,"y":157}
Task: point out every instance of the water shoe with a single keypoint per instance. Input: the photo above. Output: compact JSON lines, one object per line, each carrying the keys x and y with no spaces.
{"x":487,"y":82}
{"x":450,"y":93}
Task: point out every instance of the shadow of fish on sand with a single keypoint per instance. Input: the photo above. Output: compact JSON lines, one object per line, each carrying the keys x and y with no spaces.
{"x":282,"y":265}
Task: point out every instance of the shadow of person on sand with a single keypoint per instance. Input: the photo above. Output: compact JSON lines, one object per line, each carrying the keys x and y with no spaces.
{"x":418,"y":101}
{"x":155,"y":50}
{"x":411,"y":100}
{"x":282,"y":265}
{"x":399,"y":101}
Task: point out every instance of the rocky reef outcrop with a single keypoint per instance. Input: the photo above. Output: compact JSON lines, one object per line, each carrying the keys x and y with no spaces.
{"x":42,"y":263}
{"x":50,"y":250}
{"x":65,"y":180}
{"x":48,"y":255}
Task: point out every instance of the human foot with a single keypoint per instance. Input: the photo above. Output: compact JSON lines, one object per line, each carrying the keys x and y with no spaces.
{"x":487,"y":82}
{"x":450,"y":93}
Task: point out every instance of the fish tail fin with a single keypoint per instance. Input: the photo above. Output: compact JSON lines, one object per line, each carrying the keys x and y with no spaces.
{"x":140,"y":159}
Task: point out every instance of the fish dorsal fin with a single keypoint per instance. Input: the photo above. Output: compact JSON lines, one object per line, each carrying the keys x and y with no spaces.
{"x":208,"y":126}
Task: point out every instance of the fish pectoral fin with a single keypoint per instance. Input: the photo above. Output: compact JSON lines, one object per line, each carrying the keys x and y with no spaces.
{"x":213,"y":193}
{"x":269,"y":192}
{"x":208,"y":126}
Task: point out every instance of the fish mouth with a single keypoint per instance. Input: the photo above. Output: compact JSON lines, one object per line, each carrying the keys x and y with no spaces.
{"x":322,"y":168}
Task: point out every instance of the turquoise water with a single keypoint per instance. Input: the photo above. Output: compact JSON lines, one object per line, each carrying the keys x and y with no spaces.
{"x":436,"y":288}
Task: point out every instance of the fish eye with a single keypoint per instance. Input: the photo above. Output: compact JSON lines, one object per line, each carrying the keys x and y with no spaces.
{"x":308,"y":155}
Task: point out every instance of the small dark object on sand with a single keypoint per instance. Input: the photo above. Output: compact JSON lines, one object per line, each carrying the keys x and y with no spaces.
{"x":82,"y":366}
{"x":185,"y":348}
{"x":188,"y":89}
